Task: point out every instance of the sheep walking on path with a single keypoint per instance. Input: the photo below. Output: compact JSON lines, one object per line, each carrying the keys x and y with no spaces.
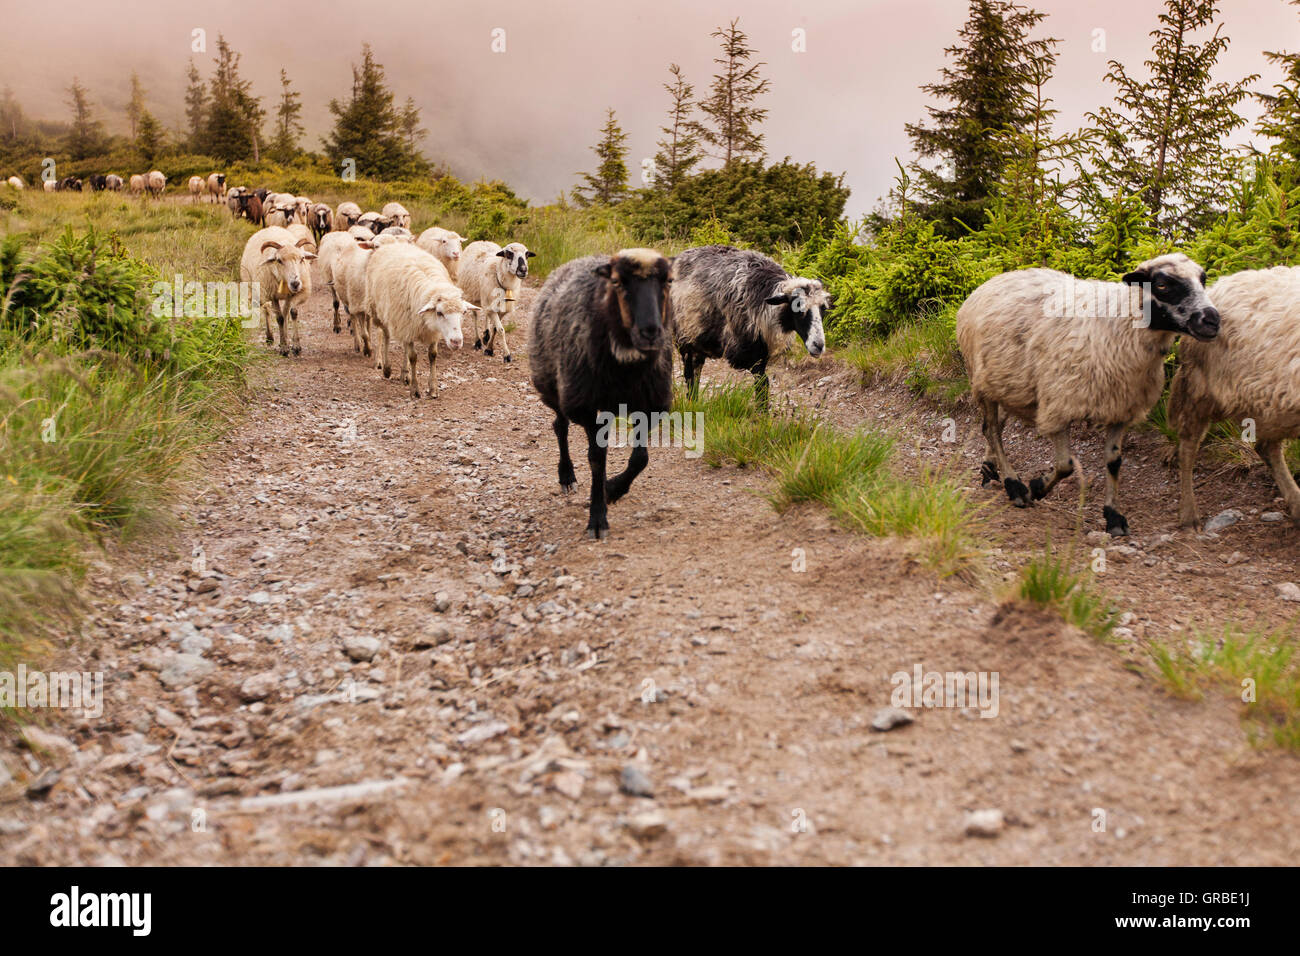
{"x":282,"y":272}
{"x":599,"y":343}
{"x":1250,"y":374}
{"x":491,"y":277}
{"x":1051,"y":349}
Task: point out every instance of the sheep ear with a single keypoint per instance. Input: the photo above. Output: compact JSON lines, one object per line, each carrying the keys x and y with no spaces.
{"x":529,"y":254}
{"x":430,"y":306}
{"x":603,"y":270}
{"x":1136,"y":278}
{"x":503,"y":254}
{"x":777,"y":300}
{"x":471,"y":308}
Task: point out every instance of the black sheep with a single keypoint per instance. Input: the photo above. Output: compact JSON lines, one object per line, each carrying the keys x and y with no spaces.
{"x":599,"y":342}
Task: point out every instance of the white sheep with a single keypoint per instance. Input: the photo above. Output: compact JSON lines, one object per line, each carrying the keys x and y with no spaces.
{"x":302,"y":237}
{"x":155,"y":182}
{"x":136,"y":185}
{"x":490,"y":277}
{"x":16,"y":182}
{"x":396,"y":213}
{"x":196,"y":187}
{"x":1249,"y":374}
{"x":445,"y":245}
{"x":49,"y":185}
{"x":282,"y":272}
{"x":216,"y":186}
{"x":410,"y":296}
{"x":346,"y":216}
{"x":1051,"y":349}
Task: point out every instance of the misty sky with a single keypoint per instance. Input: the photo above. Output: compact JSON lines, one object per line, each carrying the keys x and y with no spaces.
{"x":529,"y":115}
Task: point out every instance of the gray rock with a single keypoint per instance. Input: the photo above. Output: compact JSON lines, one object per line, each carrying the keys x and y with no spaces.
{"x":361,"y":648}
{"x":634,"y":782}
{"x":182,"y":670}
{"x":259,"y":687}
{"x":259,"y":597}
{"x":441,"y":602}
{"x":196,"y":644}
{"x":984,"y":823}
{"x":649,"y":825}
{"x":1223,"y":520}
{"x":481,"y":732}
{"x":1272,"y":516}
{"x":887,"y":718}
{"x":1288,"y":591}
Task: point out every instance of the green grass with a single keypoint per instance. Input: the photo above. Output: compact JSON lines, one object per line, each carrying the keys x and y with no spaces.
{"x":1048,"y":581}
{"x":1241,"y":663}
{"x":849,"y":473}
{"x":921,"y":354}
{"x":93,"y":442}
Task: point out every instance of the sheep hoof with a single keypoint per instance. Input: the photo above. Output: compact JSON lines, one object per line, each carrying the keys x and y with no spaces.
{"x":1116,"y":523}
{"x":297,"y":350}
{"x":1038,"y":489}
{"x":598,"y":534}
{"x":507,"y":358}
{"x":284,"y":352}
{"x":270,"y":340}
{"x":388,"y":372}
{"x":988,"y":473}
{"x":1017,"y":492}
{"x":487,"y":351}
{"x":478,"y":344}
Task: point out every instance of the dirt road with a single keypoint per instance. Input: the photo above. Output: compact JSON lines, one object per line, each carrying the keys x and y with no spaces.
{"x":400,"y":648}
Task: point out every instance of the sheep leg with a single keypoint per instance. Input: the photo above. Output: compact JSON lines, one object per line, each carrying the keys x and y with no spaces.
{"x":618,"y":486}
{"x":1272,"y":452}
{"x":597,"y":523}
{"x":297,"y":342}
{"x":281,"y":319}
{"x":413,"y":367}
{"x":337,"y":325}
{"x":498,"y":331}
{"x":268,"y":308}
{"x":433,"y":370}
{"x":1189,"y":445}
{"x":761,"y":384}
{"x":567,"y":478}
{"x":478,"y":343}
{"x":1065,"y":465}
{"x":1116,"y":523}
{"x":408,"y":363}
{"x":993,"y":422}
{"x":691,"y":367}
{"x":381,"y":357}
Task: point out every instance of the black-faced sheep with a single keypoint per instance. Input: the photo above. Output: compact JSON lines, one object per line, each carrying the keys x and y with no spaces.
{"x":216,"y":186}
{"x":346,"y":216}
{"x":396,"y":214}
{"x":1250,"y":374}
{"x":491,"y":277}
{"x":740,"y":305}
{"x":282,"y":272}
{"x":410,"y":297}
{"x":1051,"y":349}
{"x":98,"y":183}
{"x":320,"y":219}
{"x":599,"y":342}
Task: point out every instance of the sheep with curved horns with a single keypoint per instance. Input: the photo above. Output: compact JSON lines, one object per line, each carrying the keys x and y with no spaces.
{"x":599,"y":343}
{"x":1051,"y":349}
{"x":491,"y":277}
{"x":282,"y":272}
{"x":445,"y":245}
{"x":740,"y":305}
{"x":412,"y":299}
{"x":1247,"y":374}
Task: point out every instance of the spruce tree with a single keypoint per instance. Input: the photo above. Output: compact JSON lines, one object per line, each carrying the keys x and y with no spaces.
{"x":679,"y":150}
{"x":86,"y":135}
{"x":987,"y":91}
{"x":409,"y":123}
{"x":149,"y":137}
{"x":1281,"y":119}
{"x":368,"y":127}
{"x":734,"y":119}
{"x":288,"y":126}
{"x":196,"y":107}
{"x":135,"y":105}
{"x":608,"y":184}
{"x":1165,"y":139}
{"x":234,"y":116}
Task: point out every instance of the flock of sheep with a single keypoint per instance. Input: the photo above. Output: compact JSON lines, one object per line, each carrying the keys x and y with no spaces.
{"x":604,"y":329}
{"x":152,"y":182}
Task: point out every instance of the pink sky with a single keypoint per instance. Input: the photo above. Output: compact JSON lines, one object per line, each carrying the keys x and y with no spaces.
{"x":529,"y":115}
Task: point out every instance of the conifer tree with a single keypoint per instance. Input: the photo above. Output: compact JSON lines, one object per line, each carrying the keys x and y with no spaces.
{"x":679,"y":150}
{"x":608,"y":184}
{"x":732,"y":130}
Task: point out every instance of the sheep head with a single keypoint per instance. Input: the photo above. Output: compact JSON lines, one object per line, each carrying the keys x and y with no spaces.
{"x":286,"y":264}
{"x":800,"y":303}
{"x":636,"y":291}
{"x":443,"y":314}
{"x":1174,"y":297}
{"x":516,"y":256}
